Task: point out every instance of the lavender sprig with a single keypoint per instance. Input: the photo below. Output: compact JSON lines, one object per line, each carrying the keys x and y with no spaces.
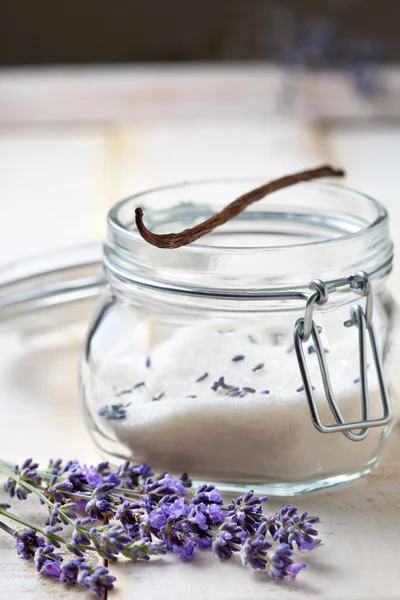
{"x":149,"y":516}
{"x":287,"y":526}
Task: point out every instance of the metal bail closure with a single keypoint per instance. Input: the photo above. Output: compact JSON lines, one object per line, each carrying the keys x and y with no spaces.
{"x":306,"y":328}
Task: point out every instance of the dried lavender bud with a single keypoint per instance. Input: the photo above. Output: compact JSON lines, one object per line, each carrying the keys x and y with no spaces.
{"x":158,"y":397}
{"x":275,"y":338}
{"x":234,"y":392}
{"x":311,"y":349}
{"x":220,"y":383}
{"x":114,"y":412}
{"x":202,"y":377}
{"x":138,"y":385}
{"x":26,"y":474}
{"x":192,"y":396}
{"x":357,"y":379}
{"x":148,"y":362}
{"x":249,"y":390}
{"x":301,"y":388}
{"x":266,"y":392}
{"x":258,"y":367}
{"x":238,"y":358}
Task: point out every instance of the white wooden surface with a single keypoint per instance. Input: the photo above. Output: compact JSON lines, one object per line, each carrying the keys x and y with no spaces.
{"x":64,"y":162}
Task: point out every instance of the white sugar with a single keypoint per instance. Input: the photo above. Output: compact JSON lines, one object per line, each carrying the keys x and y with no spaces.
{"x":232,"y":434}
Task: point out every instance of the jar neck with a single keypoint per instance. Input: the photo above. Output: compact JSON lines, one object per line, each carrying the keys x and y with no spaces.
{"x":311,"y":231}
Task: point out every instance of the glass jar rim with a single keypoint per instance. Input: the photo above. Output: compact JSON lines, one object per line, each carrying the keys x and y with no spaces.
{"x":365,"y":245}
{"x":115,"y":222}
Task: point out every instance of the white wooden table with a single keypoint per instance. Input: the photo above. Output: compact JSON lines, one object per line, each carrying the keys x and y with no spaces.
{"x":71,"y":144}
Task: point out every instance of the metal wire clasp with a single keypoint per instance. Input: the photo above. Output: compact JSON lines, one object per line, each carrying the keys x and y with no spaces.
{"x":362,"y":319}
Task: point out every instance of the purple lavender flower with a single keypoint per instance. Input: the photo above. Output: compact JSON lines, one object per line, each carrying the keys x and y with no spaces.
{"x":45,"y":554}
{"x":229,"y":540}
{"x":129,"y":514}
{"x":186,"y":480}
{"x":55,"y":466}
{"x":254,"y":552}
{"x":206,"y":511}
{"x":109,"y":540}
{"x":202,"y":519}
{"x":166,"y":485}
{"x":100,"y":505}
{"x":28,"y":542}
{"x":26,"y":474}
{"x":280,"y":563}
{"x":169,"y":523}
{"x":96,"y":579}
{"x":51,"y":568}
{"x":62,"y":513}
{"x":56,"y":490}
{"x":207,"y":494}
{"x":162,"y":520}
{"x":80,"y":537}
{"x":177,"y":537}
{"x":133,"y":475}
{"x":50,"y":533}
{"x":295,"y":570}
{"x":70,"y":570}
{"x":288,"y":527}
{"x":169,"y":509}
{"x":75,"y":473}
{"x":246,"y":511}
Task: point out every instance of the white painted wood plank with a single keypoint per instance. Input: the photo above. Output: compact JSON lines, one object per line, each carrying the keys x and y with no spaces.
{"x":112,"y":94}
{"x":52,"y":192}
{"x":143,"y":156}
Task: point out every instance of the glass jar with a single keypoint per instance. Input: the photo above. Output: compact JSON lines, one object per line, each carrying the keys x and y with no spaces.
{"x":221,"y":358}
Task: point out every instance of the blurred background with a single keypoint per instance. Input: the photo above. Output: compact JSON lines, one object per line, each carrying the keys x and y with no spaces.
{"x":100,"y":100}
